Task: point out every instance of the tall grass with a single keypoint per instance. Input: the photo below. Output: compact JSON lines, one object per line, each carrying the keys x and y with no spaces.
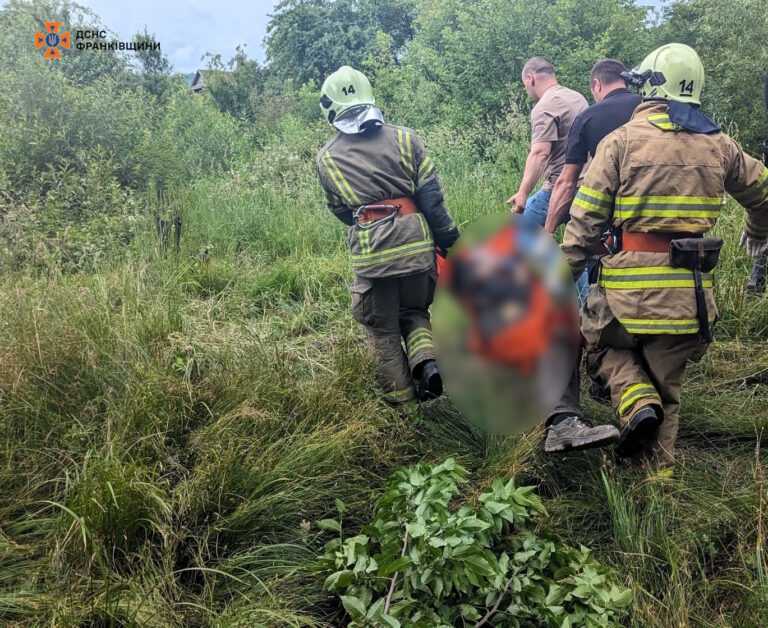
{"x":172,"y":424}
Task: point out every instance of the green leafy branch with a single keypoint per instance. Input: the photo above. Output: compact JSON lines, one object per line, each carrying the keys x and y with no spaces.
{"x":420,"y":563}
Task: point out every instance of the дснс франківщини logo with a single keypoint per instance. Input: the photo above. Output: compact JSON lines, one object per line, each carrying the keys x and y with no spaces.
{"x":51,"y":40}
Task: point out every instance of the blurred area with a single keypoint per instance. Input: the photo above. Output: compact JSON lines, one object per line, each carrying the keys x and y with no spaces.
{"x":505,"y":324}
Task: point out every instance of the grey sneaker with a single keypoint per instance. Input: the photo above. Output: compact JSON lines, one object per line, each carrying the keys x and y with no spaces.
{"x":574,"y":433}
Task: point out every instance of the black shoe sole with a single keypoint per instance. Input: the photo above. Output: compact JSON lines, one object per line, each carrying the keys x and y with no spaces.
{"x":564,"y":445}
{"x":637,"y":435}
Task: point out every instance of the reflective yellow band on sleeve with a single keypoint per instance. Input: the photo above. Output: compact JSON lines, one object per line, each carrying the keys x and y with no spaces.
{"x":426,"y":168}
{"x":596,"y":194}
{"x":588,"y":206}
{"x":756,"y":192}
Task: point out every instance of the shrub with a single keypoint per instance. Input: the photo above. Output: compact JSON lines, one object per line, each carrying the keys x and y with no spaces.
{"x":421,"y":563}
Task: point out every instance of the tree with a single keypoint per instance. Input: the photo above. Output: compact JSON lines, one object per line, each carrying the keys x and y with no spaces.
{"x":233,"y":85}
{"x":309,"y":39}
{"x":155,"y":67}
{"x":722,"y":33}
{"x":465,"y":59}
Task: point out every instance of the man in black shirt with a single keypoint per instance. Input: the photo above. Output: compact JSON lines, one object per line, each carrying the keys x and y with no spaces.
{"x":614,"y":104}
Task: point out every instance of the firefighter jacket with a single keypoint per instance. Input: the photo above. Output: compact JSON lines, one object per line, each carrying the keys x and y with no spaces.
{"x":382,"y":163}
{"x":653,"y":176}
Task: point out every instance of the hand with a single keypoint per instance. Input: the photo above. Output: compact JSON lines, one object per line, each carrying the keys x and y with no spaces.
{"x":755,"y":247}
{"x":518,"y":202}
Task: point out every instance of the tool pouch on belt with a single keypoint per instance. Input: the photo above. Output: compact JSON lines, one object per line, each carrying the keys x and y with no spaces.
{"x":699,"y":255}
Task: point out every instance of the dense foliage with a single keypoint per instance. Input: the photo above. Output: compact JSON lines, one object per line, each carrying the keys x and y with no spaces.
{"x":177,"y":423}
{"x":421,"y":564}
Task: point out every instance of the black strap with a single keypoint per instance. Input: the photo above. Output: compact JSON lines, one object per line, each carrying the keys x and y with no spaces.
{"x":705,"y":333}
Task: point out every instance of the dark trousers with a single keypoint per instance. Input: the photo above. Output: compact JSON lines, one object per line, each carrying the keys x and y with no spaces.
{"x":395,"y":311}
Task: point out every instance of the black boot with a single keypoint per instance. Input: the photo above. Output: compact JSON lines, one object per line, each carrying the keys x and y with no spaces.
{"x":572,"y":432}
{"x":430,"y":382}
{"x":640,"y":430}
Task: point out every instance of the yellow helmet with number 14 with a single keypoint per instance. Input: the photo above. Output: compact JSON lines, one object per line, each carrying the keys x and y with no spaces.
{"x":671,"y":72}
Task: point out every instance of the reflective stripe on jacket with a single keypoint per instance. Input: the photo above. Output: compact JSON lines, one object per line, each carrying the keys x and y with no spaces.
{"x":380,"y":164}
{"x":653,"y":176}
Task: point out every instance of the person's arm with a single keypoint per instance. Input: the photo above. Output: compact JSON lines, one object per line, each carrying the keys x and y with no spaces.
{"x":562,"y":196}
{"x":576,"y":155}
{"x":592,"y":207}
{"x":534,"y":168}
{"x":747,"y":181}
{"x":429,"y":198}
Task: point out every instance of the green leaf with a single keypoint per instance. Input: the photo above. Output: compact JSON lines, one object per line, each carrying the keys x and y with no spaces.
{"x":622,"y":598}
{"x":437,"y":587}
{"x":388,"y":620}
{"x":469,"y":612}
{"x":555,"y":596}
{"x":478,"y":564}
{"x":495,"y":507}
{"x":396,"y":565}
{"x":338,"y":580}
{"x":582,"y":591}
{"x":523,"y":557}
{"x":448,"y":465}
{"x":416,"y":529}
{"x":329,"y":524}
{"x":340,"y":506}
{"x":354,"y":606}
{"x":474,"y":524}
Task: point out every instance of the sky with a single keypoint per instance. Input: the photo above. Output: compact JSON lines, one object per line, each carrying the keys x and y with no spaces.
{"x":187,"y":30}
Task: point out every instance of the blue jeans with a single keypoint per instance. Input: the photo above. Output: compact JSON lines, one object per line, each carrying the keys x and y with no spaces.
{"x":536,"y":210}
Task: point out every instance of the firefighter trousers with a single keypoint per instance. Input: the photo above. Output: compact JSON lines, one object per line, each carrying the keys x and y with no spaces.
{"x":395,"y":311}
{"x":639,"y":370}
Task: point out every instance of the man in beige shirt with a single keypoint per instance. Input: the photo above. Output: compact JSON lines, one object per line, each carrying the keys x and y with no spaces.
{"x":551,"y":120}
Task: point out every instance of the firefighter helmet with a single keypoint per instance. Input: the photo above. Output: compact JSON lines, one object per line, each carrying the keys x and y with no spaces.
{"x":671,"y":72}
{"x":347,"y":100}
